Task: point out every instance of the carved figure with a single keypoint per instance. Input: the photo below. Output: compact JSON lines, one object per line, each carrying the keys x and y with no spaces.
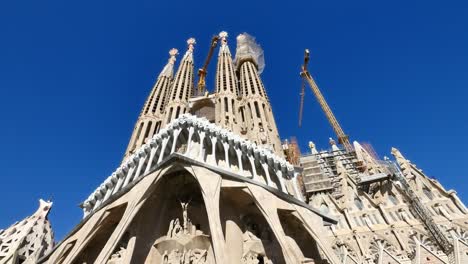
{"x":192,"y":256}
{"x":250,"y":258}
{"x":198,"y":256}
{"x":177,"y":229}
{"x":117,"y":257}
{"x":263,"y":136}
{"x":185,"y":215}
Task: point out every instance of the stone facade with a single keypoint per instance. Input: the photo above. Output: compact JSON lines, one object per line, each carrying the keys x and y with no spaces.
{"x":205,"y":179}
{"x":387,"y":211}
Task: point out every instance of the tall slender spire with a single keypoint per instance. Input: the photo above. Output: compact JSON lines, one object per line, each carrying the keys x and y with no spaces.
{"x":28,"y":240}
{"x":182,"y":88}
{"x":150,"y":120}
{"x":226,"y":87}
{"x":261,"y":125}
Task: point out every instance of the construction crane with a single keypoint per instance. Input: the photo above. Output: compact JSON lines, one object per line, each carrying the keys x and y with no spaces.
{"x":201,"y":86}
{"x":342,"y":137}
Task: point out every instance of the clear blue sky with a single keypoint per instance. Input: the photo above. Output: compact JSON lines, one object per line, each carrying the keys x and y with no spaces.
{"x":74,"y":76}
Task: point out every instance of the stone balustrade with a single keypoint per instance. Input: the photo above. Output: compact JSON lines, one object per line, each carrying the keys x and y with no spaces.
{"x":200,"y":140}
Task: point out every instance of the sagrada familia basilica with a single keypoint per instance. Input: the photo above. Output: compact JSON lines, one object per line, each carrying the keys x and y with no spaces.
{"x":206,"y":179}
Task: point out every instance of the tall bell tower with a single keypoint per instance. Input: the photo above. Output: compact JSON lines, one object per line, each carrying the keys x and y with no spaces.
{"x":226,"y":88}
{"x":150,"y":120}
{"x":182,"y":89}
{"x":257,"y":120}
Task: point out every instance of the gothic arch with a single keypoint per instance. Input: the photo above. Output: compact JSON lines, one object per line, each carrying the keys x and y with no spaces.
{"x":162,"y":206}
{"x":100,"y":234}
{"x":299,"y":238}
{"x":246,"y":230}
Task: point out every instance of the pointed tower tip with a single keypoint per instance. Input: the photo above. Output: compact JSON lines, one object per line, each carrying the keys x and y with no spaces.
{"x":44,"y":207}
{"x":173,"y":53}
{"x":223,"y":34}
{"x":43,"y":203}
{"x":191,"y":42}
{"x":169,"y":68}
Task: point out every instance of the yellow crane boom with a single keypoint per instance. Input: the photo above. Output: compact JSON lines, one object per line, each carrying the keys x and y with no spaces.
{"x":201,"y":86}
{"x":342,"y":137}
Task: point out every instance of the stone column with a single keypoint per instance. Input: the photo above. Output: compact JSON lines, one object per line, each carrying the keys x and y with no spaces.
{"x":265,"y":202}
{"x":239,"y":160}
{"x":214,"y":140}
{"x":110,"y":188}
{"x":279,"y":175}
{"x":267,"y":173}
{"x":202,"y":146}
{"x":189,"y":140}
{"x":175,"y":135}
{"x":234,"y":237}
{"x":252,"y":164}
{"x":120,"y":181}
{"x":129,"y":175}
{"x":226,"y":153}
{"x":163,"y":149}
{"x":140,"y":165}
{"x":210,"y":184}
{"x":150,"y":160}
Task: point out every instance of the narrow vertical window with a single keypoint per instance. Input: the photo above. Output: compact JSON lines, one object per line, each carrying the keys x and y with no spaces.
{"x":226,"y":106}
{"x":170,"y":115}
{"x":177,"y":112}
{"x":257,"y":110}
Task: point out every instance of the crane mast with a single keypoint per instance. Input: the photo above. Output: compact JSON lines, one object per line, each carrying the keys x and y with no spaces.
{"x":201,"y":86}
{"x":342,"y":137}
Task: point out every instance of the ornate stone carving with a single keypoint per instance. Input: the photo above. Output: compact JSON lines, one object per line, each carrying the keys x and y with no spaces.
{"x":183,"y":243}
{"x":117,"y":257}
{"x":185,"y":121}
{"x":191,"y":256}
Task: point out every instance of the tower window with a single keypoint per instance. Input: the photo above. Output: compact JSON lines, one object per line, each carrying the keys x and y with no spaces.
{"x":393,"y":199}
{"x":177,"y":112}
{"x":358,"y":203}
{"x":428,"y":193}
{"x":257,"y":110}
{"x":148,"y":130}
{"x":170,"y":115}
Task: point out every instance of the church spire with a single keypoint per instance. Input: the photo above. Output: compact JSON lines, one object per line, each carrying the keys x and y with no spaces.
{"x":151,"y":116}
{"x":260,"y":123}
{"x":226,"y":87}
{"x":28,"y":240}
{"x":182,"y":88}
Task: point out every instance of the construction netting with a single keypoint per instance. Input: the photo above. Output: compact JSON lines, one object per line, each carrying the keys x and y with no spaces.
{"x":248,"y":48}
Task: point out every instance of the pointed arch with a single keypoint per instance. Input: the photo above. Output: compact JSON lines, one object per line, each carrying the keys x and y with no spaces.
{"x":100,"y":234}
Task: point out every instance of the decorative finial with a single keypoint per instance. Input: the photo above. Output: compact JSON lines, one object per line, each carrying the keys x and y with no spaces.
{"x":173,"y":53}
{"x":332,"y":141}
{"x":311,"y":145}
{"x":223,"y":35}
{"x":191,"y":42}
{"x":313,"y":150}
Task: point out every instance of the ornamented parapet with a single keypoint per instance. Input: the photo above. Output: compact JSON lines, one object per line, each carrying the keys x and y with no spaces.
{"x":198,"y":139}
